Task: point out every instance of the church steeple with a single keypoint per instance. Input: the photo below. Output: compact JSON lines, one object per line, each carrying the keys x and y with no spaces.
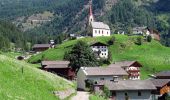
{"x":91,"y":19}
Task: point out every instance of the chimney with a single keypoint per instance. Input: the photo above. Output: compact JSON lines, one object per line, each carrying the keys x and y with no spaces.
{"x":52,"y":43}
{"x":115,"y":79}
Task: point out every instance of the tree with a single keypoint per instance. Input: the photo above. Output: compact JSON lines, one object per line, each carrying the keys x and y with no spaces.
{"x":81,"y":55}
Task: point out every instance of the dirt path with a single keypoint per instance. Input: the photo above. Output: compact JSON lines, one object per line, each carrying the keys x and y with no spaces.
{"x":81,"y":95}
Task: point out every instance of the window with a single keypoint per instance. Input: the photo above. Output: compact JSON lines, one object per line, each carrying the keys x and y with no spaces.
{"x":99,"y":31}
{"x":102,"y":31}
{"x":139,"y":93}
{"x":101,"y":78}
{"x":126,"y":96}
{"x":95,"y":31}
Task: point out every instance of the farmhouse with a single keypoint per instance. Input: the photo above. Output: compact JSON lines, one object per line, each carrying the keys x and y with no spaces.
{"x":163,"y":88}
{"x":129,"y":89}
{"x":61,"y":68}
{"x":155,"y":34}
{"x":100,"y":49}
{"x":98,"y":28}
{"x":131,"y":67}
{"x":141,"y":31}
{"x":99,"y":73}
{"x":41,"y":47}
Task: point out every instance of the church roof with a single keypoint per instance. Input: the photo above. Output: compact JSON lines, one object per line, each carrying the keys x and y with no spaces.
{"x":100,"y":25}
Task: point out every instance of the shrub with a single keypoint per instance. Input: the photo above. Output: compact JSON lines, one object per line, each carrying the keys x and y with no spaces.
{"x":138,"y":40}
{"x":111,"y":41}
{"x":149,"y":38}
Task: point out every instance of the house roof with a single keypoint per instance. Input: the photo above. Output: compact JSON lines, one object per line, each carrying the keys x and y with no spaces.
{"x":163,"y":73}
{"x":100,"y":25}
{"x":94,"y":71}
{"x":139,"y":28}
{"x":125,"y":63}
{"x":55,"y":64}
{"x":98,"y":44}
{"x":160,"y":82}
{"x":130,"y":85}
{"x":42,"y":46}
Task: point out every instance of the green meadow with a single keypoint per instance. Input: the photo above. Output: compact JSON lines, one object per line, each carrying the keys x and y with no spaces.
{"x":152,"y":55}
{"x":22,"y":81}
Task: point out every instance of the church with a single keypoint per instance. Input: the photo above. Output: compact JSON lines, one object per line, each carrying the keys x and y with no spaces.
{"x":98,"y":28}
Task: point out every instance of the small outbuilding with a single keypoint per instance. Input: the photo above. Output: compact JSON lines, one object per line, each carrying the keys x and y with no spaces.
{"x":163,"y":75}
{"x":60,"y":68}
{"x":41,"y":47}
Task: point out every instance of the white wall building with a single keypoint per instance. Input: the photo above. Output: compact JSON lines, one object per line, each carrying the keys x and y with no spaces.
{"x":100,"y":49}
{"x":100,"y":29}
{"x":98,"y":74}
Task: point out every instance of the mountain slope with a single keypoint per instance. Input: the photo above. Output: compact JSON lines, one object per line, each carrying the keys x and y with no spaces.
{"x":31,"y":84}
{"x":153,"y":56}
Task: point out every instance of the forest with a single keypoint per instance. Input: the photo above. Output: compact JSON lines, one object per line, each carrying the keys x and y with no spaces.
{"x":125,"y":14}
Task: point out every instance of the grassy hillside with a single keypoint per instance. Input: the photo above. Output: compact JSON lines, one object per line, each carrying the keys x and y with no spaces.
{"x":153,"y":56}
{"x":32,"y":84}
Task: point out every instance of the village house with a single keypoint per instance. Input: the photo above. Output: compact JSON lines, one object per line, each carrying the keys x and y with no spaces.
{"x":61,"y":68}
{"x":131,"y":67}
{"x":155,"y":34}
{"x":99,"y":73}
{"x":98,"y":28}
{"x":141,"y":31}
{"x":128,"y":89}
{"x":100,"y":50}
{"x":162,"y":88}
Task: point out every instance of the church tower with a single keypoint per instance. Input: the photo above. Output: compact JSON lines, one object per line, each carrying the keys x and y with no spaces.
{"x":91,"y":18}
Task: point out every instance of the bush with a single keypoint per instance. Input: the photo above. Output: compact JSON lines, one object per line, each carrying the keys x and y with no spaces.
{"x":138,"y":40}
{"x":106,"y":92}
{"x":149,"y":38}
{"x":111,"y":41}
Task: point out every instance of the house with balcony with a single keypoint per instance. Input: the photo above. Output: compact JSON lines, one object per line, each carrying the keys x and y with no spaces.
{"x":100,"y":50}
{"x":131,"y":67}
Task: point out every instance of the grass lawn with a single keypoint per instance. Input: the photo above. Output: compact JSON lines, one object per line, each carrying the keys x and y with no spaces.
{"x":29,"y":84}
{"x":96,"y":97}
{"x":153,"y":56}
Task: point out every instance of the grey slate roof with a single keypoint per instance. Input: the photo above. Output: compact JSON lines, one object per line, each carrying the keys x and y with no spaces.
{"x":55,"y":64}
{"x":94,"y":71}
{"x":130,"y":85}
{"x":98,"y":44}
{"x":124,"y":63}
{"x":163,"y":73}
{"x":42,"y":46}
{"x":139,"y":28}
{"x":100,"y":25}
{"x":160,"y":82}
